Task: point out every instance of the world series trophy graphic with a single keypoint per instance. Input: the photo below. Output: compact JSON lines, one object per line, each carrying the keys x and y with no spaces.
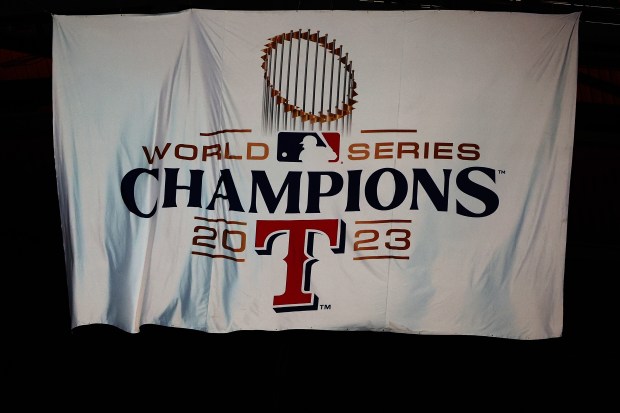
{"x":309,"y":84}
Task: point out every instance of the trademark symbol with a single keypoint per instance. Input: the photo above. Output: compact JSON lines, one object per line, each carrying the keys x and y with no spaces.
{"x":501,"y":171}
{"x":325,"y":306}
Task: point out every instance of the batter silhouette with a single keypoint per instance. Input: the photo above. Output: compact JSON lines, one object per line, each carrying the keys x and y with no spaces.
{"x":312,"y":152}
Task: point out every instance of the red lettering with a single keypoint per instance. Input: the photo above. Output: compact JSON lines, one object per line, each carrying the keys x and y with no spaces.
{"x":299,"y":259}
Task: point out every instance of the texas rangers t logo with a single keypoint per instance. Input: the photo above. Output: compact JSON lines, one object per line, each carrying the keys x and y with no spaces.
{"x":299,"y":259}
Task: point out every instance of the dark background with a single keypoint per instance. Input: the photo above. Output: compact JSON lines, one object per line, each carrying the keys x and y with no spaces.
{"x":304,"y":365}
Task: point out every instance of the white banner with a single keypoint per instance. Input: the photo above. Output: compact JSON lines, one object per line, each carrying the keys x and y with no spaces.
{"x":403,"y":171}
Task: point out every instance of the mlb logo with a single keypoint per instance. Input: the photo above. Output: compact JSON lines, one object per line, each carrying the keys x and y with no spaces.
{"x":311,"y":147}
